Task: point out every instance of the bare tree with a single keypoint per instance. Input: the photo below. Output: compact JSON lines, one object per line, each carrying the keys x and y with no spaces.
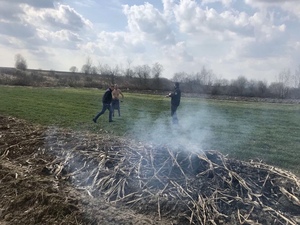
{"x":239,"y":85}
{"x":296,"y":78}
{"x":146,"y":71}
{"x":157,"y":70}
{"x":87,"y":67}
{"x":138,"y":70}
{"x":143,"y":73}
{"x":222,"y":82}
{"x":277,"y":89}
{"x":129,"y":72}
{"x":20,"y":62}
{"x":205,"y":77}
{"x":262,"y":88}
{"x":181,"y":77}
{"x":255,"y":88}
{"x":104,"y":69}
{"x":94,"y":70}
{"x":114,"y":72}
{"x":284,"y":80}
{"x":107,"y":70}
{"x":285,"y":77}
{"x":73,"y":69}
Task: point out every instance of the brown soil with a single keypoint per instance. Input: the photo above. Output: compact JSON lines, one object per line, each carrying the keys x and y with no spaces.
{"x":50,"y":175}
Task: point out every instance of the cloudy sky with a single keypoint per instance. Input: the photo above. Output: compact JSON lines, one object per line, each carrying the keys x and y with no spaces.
{"x":254,"y":38}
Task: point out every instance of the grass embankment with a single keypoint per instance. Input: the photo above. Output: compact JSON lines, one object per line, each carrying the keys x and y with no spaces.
{"x":243,"y":130}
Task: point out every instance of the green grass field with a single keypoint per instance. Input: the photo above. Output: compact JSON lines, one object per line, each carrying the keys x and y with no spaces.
{"x":244,"y":130}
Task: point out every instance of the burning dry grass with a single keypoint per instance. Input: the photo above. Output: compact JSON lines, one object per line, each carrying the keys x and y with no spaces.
{"x":172,"y":185}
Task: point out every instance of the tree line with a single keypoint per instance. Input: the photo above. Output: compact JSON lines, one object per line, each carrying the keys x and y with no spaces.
{"x":202,"y":82}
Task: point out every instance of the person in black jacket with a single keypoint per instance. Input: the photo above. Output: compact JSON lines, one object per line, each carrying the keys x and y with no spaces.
{"x":175,"y":101}
{"x":106,"y":101}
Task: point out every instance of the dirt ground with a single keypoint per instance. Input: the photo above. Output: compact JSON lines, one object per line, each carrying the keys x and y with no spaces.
{"x":54,"y":176}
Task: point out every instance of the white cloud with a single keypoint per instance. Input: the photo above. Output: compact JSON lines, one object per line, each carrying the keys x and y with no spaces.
{"x":61,"y":38}
{"x":193,"y":19}
{"x":35,"y":25}
{"x":148,"y":22}
{"x":33,"y":3}
{"x":231,"y":37}
{"x":264,"y":27}
{"x":290,"y":6}
{"x":41,"y":27}
{"x":178,"y":53}
{"x":61,"y":17}
{"x":226,"y":3}
{"x":189,"y":16}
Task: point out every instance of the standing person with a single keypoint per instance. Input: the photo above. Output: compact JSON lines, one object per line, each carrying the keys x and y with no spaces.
{"x":116,"y":99}
{"x":106,"y":101}
{"x":175,"y":101}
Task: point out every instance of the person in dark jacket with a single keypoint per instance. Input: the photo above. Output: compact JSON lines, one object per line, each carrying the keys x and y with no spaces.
{"x":175,"y":101}
{"x":106,"y":101}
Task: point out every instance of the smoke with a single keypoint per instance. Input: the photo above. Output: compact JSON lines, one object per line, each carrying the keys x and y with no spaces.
{"x":200,"y":127}
{"x":190,"y":133}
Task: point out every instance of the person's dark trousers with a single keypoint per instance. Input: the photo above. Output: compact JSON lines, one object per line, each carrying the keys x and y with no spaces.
{"x":116,"y":105}
{"x":174,"y":114}
{"x":104,"y":108}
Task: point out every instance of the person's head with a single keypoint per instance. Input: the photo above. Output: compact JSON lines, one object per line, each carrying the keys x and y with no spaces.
{"x":116,"y":86}
{"x":112,"y":87}
{"x":176,"y":84}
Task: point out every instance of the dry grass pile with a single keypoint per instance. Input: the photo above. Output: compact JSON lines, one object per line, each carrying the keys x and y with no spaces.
{"x":29,"y":195}
{"x":175,"y":186}
{"x":187,"y":187}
